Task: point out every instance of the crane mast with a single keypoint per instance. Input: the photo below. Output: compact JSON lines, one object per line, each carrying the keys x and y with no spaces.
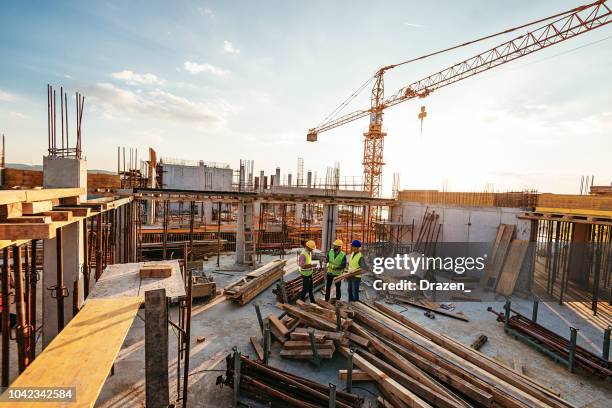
{"x":572,"y":23}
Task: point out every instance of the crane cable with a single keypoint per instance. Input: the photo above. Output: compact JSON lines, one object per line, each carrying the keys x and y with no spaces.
{"x":348,"y":100}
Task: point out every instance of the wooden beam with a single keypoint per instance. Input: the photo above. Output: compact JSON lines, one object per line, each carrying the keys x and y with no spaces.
{"x":59,"y":215}
{"x":11,"y":210}
{"x":387,"y":383}
{"x":358,"y":375}
{"x":13,"y":232}
{"x":76,"y":211}
{"x":30,"y":219}
{"x":37,"y":207}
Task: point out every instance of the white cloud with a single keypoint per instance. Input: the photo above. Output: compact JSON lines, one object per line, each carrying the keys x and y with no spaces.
{"x":118,"y":103}
{"x":132,"y":78}
{"x":414,"y":25}
{"x":196,"y":68}
{"x":5,"y":96}
{"x":229,"y":48}
{"x":206,"y":12}
{"x":18,"y":115}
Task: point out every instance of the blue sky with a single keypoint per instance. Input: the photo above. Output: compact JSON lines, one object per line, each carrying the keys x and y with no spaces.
{"x":221,"y":81}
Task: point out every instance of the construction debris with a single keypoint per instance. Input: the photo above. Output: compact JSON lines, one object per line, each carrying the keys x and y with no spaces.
{"x":479,"y":342}
{"x":253,"y":283}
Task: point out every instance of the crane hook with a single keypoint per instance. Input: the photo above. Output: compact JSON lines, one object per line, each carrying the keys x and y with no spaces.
{"x":422,"y":115}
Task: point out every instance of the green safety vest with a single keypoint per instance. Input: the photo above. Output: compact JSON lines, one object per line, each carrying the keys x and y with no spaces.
{"x":306,"y":272}
{"x":335,"y":262}
{"x":353,"y":263}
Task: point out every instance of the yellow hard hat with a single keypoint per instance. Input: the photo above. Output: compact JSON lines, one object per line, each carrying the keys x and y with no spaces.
{"x":338,"y":243}
{"x":311,"y":244}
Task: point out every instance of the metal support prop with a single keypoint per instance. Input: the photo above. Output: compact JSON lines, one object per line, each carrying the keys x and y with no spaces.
{"x":349,"y":372}
{"x":59,"y":284}
{"x":283,"y":289}
{"x":534,"y":312}
{"x":187,"y":337}
{"x":237,"y":361}
{"x":315,"y":351}
{"x":605,"y":352}
{"x":6,"y":324}
{"x":266,"y":343}
{"x":22,"y":325}
{"x":259,"y":318}
{"x":572,"y":349}
{"x":338,"y":318}
{"x":33,"y":281}
{"x":332,"y":395}
{"x":507,"y":316}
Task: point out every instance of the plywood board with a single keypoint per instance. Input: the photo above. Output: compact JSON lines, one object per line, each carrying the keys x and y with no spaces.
{"x":83,"y":353}
{"x":512,"y":267}
{"x":494,"y":266}
{"x":123,"y":280}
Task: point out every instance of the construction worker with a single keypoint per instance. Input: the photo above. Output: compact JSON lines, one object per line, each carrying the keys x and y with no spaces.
{"x":305,"y":268}
{"x":336,"y":262}
{"x":356,"y":262}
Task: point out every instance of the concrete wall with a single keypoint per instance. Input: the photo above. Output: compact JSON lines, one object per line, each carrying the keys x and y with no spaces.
{"x":197,"y":177}
{"x":464,"y":224}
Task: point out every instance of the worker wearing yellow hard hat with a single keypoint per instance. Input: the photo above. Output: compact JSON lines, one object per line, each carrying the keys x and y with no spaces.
{"x":356,"y":265}
{"x":336,"y":262}
{"x":305,"y":268}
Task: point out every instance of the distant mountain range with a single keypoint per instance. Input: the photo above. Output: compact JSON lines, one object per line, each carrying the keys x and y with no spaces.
{"x":39,"y":167}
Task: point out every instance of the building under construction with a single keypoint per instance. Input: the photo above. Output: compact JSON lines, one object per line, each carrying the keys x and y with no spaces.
{"x":178,"y":283}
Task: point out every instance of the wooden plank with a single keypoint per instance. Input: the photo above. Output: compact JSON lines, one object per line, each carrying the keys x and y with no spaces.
{"x":319,"y":338}
{"x":361,"y":341}
{"x":512,"y":268}
{"x":10,"y":211}
{"x":156,"y":349}
{"x":493,"y":269}
{"x":389,"y":384}
{"x":155,"y":270}
{"x":358,"y":375}
{"x":306,"y":354}
{"x":283,"y":331}
{"x":65,"y":216}
{"x":76,"y":211}
{"x":257,"y":346}
{"x":305,"y":345}
{"x":37,"y":207}
{"x":83,"y":353}
{"x":15,"y":232}
{"x":30,"y":219}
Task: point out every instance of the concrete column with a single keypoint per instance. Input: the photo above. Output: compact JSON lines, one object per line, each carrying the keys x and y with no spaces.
{"x":208,"y":212}
{"x":299,"y":209}
{"x":150,"y":212}
{"x":244,"y":233}
{"x":330,"y":219}
{"x":309,"y":179}
{"x":61,"y":172}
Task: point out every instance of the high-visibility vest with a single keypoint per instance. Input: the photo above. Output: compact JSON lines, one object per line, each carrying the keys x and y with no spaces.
{"x":335,"y":262}
{"x":306,"y":272}
{"x":353,"y":263}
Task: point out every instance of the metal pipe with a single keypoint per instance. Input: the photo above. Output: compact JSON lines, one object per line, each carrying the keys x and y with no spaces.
{"x":534,"y":312}
{"x":332,"y":395}
{"x":33,"y":287}
{"x":21,"y":328}
{"x":6,"y":324}
{"x":266,"y":343}
{"x":259,"y":318}
{"x":59,"y":284}
{"x":349,"y":372}
{"x":572,"y":348}
{"x":187,"y":338}
{"x":237,"y":361}
{"x":605,"y":352}
{"x":315,"y":351}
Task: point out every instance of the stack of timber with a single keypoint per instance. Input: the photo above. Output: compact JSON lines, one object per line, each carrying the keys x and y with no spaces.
{"x":253,"y":283}
{"x":417,"y":367}
{"x":279,"y":388}
{"x":551,"y":341}
{"x":293,"y":287}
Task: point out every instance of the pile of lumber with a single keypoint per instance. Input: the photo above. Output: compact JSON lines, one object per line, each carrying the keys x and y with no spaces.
{"x":293,"y":287}
{"x":550,"y":341}
{"x":418,"y":367}
{"x":278,"y":388}
{"x":253,"y":283}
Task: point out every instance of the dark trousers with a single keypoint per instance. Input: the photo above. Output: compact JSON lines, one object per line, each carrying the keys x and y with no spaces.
{"x":307,"y":287}
{"x":353,"y":289}
{"x":328,"y":285}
